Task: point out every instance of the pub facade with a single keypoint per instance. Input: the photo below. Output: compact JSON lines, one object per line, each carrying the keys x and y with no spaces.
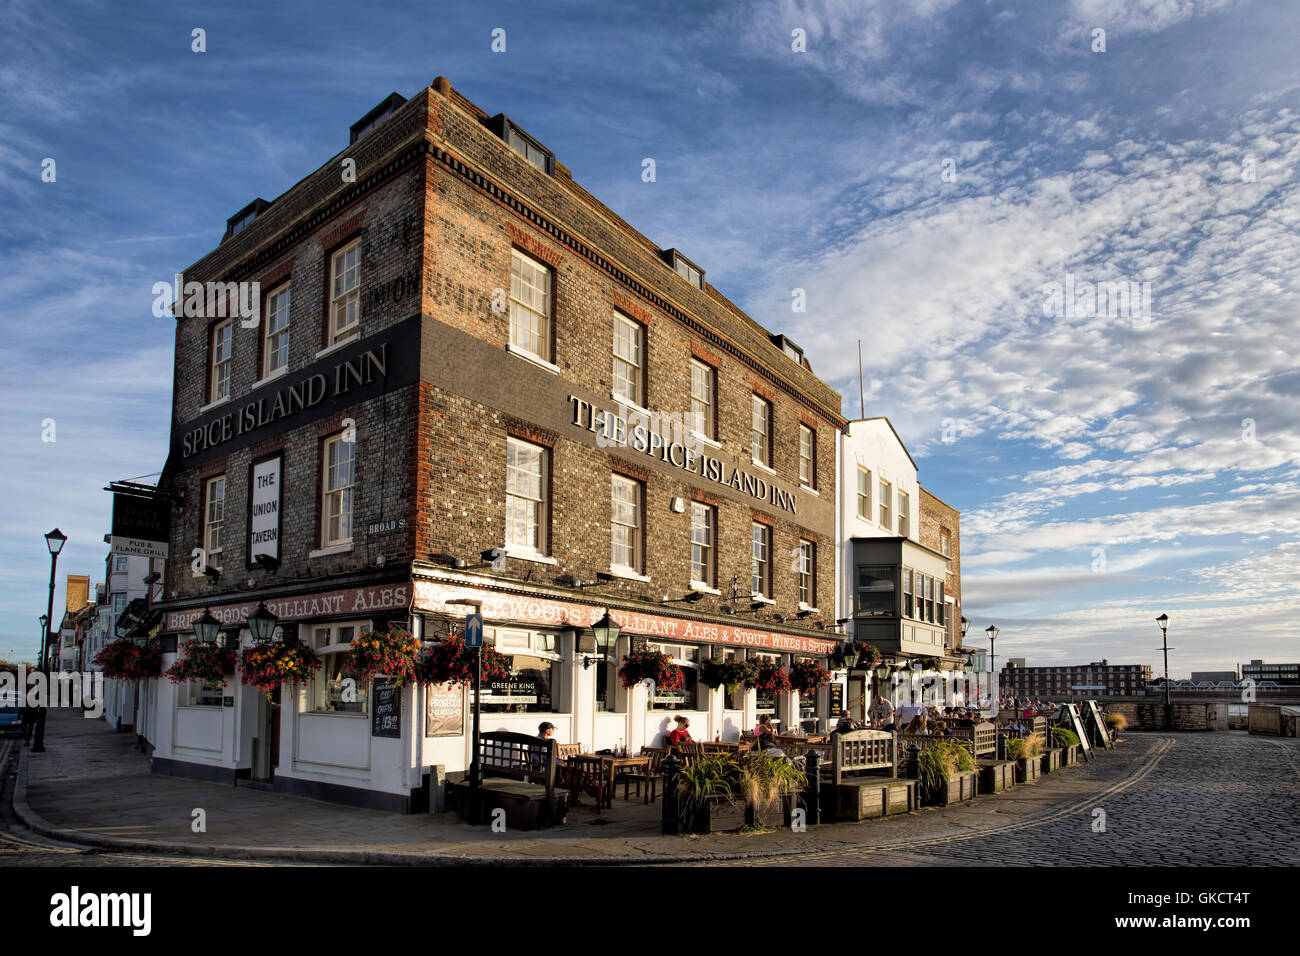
{"x":470,"y":385}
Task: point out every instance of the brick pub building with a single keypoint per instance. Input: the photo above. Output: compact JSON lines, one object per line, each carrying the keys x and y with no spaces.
{"x":472,"y":382}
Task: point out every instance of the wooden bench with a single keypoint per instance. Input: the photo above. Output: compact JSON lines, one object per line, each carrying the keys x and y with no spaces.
{"x":519,"y":776}
{"x":980,"y":739}
{"x":853,"y":767}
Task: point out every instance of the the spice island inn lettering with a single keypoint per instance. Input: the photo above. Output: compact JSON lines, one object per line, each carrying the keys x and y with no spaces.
{"x":291,"y":399}
{"x":633,"y":432}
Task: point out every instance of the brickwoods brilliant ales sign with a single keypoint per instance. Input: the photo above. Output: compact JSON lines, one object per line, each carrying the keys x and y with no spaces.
{"x":637,"y":431}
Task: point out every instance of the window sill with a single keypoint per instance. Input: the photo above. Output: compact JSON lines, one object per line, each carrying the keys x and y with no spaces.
{"x":810,"y":489}
{"x":758,"y":464}
{"x":632,"y":575}
{"x":280,"y":372}
{"x":211,"y":405}
{"x":535,"y":359}
{"x":760,"y":599}
{"x":628,"y":403}
{"x":524,"y":555}
{"x":701,"y":586}
{"x":334,"y":549}
{"x":805,"y":607}
{"x":339,"y":345}
{"x":712,"y":443}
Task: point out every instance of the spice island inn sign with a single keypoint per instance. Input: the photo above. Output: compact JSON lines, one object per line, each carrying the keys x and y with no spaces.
{"x":637,"y":431}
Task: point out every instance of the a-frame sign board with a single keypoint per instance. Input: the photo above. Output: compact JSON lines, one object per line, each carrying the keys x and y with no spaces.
{"x":1069,"y":717}
{"x":1092,"y":715}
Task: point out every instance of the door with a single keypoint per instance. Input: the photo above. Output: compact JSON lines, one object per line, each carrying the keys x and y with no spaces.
{"x":266,"y":748}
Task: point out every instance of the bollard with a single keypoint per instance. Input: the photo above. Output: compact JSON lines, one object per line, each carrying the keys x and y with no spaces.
{"x":813,"y":796}
{"x":914,"y":762}
{"x":1002,"y":745}
{"x":670,"y":823}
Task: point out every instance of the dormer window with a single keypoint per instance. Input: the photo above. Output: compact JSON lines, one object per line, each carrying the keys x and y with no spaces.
{"x":376,"y":116}
{"x":244,"y":218}
{"x":523,"y":144}
{"x":685,"y":268}
{"x":790,"y":349}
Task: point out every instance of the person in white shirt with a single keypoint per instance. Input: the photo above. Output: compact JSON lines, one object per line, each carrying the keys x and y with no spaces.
{"x":906,"y":712}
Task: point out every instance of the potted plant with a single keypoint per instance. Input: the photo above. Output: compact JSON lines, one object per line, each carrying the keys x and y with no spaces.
{"x":730,"y":674}
{"x":767,"y":781}
{"x":126,"y":660}
{"x":769,"y":677}
{"x":451,"y":662}
{"x":947,"y":772}
{"x":203,"y":663}
{"x":645,"y":664}
{"x":267,"y":666}
{"x":1025,"y":751}
{"x":806,"y":676}
{"x":1068,"y":741}
{"x":706,"y":791}
{"x":1115,"y":723}
{"x":392,"y":653}
{"x":930,"y":663}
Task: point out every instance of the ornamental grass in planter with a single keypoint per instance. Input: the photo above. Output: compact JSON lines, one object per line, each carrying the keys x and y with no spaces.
{"x":203,"y":663}
{"x":941,"y":766}
{"x":1026,"y":751}
{"x":1068,"y":741}
{"x":706,"y":788}
{"x":1115,"y":723}
{"x":767,"y":782}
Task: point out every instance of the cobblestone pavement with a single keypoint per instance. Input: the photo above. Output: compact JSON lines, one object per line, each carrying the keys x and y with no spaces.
{"x":1212,"y":799}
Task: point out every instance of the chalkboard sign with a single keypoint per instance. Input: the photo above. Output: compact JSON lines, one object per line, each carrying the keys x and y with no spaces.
{"x":1093,"y":714}
{"x":837,"y":700}
{"x":1069,"y":716}
{"x":386,"y":711}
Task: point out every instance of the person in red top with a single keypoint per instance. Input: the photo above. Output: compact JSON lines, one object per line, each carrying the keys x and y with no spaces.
{"x":681,"y":734}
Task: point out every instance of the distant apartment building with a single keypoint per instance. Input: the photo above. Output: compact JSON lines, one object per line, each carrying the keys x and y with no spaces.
{"x":1063,"y":681}
{"x":1213,"y":677}
{"x":1258,"y":670}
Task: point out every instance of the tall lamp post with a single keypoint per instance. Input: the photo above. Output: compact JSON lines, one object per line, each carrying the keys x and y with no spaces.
{"x":54,"y":541}
{"x":965,"y":626}
{"x":1163,"y":622}
{"x":992,"y":632}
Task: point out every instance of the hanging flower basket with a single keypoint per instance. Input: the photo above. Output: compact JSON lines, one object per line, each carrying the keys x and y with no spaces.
{"x":451,"y":662}
{"x":651,"y":665}
{"x":769,"y":677}
{"x":267,"y":666}
{"x":393,"y":653}
{"x":126,"y":660}
{"x":930,"y":663}
{"x":203,"y":663}
{"x":807,"y":675}
{"x":729,"y":674}
{"x":870,"y":655}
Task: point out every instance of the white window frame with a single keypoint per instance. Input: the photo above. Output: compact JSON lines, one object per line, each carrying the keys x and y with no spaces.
{"x":904,"y":514}
{"x":703,"y":544}
{"x":807,"y":573}
{"x":276,"y":340}
{"x":345,"y":293}
{"x":886,"y":504}
{"x":864,"y":514}
{"x":629,"y":360}
{"x":222,"y":351}
{"x":703,"y":407}
{"x":945,"y":548}
{"x":677,"y":656}
{"x":333,"y":643}
{"x":214,"y":523}
{"x":760,"y":438}
{"x":634,"y":545}
{"x":345,"y":492}
{"x":121,"y":563}
{"x":807,"y":456}
{"x":520,"y":498}
{"x":761,"y":567}
{"x":530,"y":279}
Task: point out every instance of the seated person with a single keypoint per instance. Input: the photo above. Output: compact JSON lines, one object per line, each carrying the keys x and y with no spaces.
{"x":846,"y":723}
{"x":764,"y":726}
{"x":681,"y":734}
{"x":768,"y":748}
{"x":916,"y":725}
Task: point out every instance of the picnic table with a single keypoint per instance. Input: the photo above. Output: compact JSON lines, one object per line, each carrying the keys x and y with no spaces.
{"x":596,"y":773}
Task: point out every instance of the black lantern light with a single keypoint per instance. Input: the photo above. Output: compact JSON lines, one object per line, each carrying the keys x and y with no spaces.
{"x":262,"y":623}
{"x":606,"y":632}
{"x":206,"y":627}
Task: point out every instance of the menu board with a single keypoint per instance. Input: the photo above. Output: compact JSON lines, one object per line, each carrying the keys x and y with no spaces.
{"x":1094,"y":717}
{"x":837,"y":699}
{"x":444,"y":710}
{"x":386,"y":711}
{"x":1069,"y":716}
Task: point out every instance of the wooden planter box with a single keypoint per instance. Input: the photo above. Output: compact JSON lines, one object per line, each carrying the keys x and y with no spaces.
{"x":955,"y":789}
{"x":869,"y":798}
{"x":1070,"y":755}
{"x":1051,"y":760}
{"x":1028,"y":769}
{"x":996,"y":775}
{"x":713,"y":816}
{"x":778,"y":813}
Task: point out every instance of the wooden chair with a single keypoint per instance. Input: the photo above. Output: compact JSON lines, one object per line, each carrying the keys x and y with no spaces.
{"x":650,"y":777}
{"x":586,"y":775}
{"x":569,"y":750}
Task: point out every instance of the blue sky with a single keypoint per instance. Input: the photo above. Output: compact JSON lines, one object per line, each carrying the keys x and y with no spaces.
{"x":923,"y":170}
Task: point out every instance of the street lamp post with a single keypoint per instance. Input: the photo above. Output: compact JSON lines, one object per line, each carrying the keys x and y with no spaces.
{"x":992,"y":632}
{"x":54,"y":541}
{"x":1163,"y":622}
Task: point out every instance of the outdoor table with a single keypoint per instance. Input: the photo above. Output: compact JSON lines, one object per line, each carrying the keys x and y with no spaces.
{"x":612,"y":764}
